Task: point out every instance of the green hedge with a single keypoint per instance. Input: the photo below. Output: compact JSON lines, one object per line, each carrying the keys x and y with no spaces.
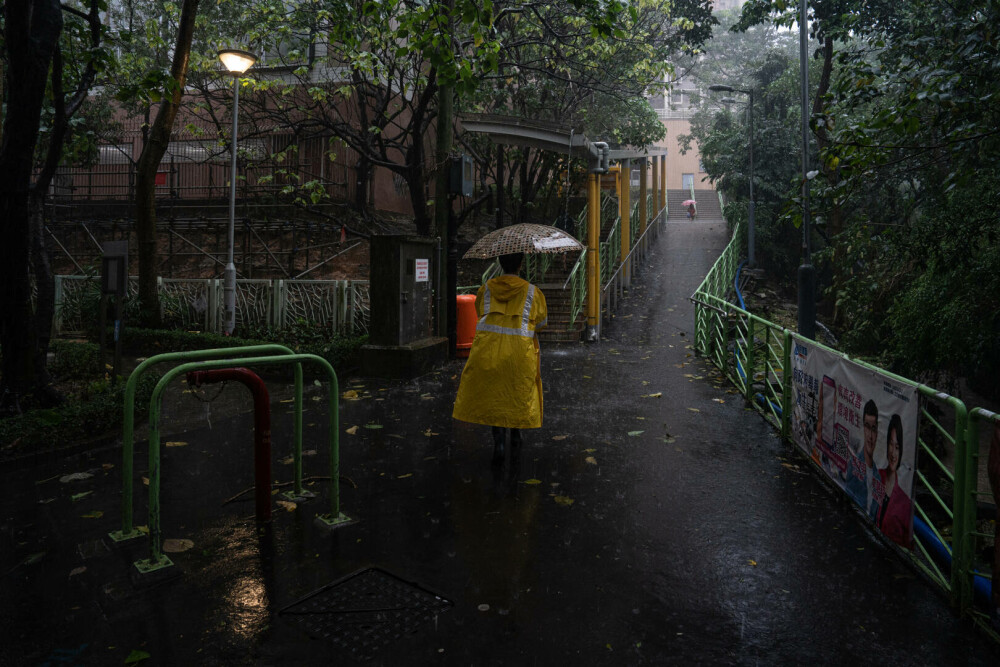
{"x":340,"y":351}
{"x":76,"y":420}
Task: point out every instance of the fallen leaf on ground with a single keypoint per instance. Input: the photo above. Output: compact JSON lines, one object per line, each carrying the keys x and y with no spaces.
{"x":409,"y":474}
{"x":429,"y":433}
{"x":145,"y":481}
{"x":107,"y":466}
{"x":287,"y":460}
{"x":79,"y":496}
{"x":352,"y":430}
{"x":589,"y":450}
{"x":95,"y":514}
{"x":591,"y":460}
{"x":753,"y":562}
{"x":559,"y":437}
{"x":286,"y":505}
{"x":656,"y":395}
{"x":143,"y":529}
{"x":75,"y":477}
{"x":176,"y":443}
{"x":373,"y":426}
{"x":350,"y":395}
{"x":287,"y":400}
{"x":136,"y":656}
{"x":718,"y":400}
{"x":77,"y":570}
{"x":532,"y":481}
{"x":176,"y":546}
{"x":694,"y":409}
{"x":635,"y":433}
{"x":565,"y":501}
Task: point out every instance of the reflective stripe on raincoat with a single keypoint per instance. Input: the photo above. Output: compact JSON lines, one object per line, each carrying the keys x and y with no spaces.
{"x":502,"y":383}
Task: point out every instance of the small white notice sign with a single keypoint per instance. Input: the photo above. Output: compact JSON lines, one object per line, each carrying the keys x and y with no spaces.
{"x":422,"y":268}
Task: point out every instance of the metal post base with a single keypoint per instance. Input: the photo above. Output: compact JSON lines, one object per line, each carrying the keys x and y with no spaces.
{"x":119,"y":536}
{"x":332,"y":523}
{"x":298,"y":497}
{"x":146,"y":566}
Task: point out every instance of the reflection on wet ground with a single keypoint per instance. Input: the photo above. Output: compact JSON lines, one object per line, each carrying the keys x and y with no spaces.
{"x":652,"y":520}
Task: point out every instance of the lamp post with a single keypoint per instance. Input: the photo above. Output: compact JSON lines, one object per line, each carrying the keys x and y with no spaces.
{"x":807,"y":272}
{"x":719,"y":88}
{"x":236,"y":62}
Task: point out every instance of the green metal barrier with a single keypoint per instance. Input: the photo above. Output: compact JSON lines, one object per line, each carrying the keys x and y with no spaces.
{"x":753,"y":354}
{"x":157,"y":559}
{"x":128,"y":531}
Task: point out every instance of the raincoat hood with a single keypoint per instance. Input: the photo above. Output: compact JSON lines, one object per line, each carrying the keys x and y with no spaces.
{"x":507,"y":294}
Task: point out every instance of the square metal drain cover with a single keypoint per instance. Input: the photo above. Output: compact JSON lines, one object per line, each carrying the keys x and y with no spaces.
{"x":365,"y":611}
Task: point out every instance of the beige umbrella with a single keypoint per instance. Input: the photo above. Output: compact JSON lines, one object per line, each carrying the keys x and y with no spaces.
{"x":524,"y":237}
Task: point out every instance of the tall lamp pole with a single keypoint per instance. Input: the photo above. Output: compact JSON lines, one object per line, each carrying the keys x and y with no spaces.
{"x":236,"y":62}
{"x":807,"y":272}
{"x":719,"y":88}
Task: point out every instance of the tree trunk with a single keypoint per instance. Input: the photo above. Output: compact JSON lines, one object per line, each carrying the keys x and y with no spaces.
{"x":835,"y":218}
{"x":153,"y":151}
{"x":31,"y":38}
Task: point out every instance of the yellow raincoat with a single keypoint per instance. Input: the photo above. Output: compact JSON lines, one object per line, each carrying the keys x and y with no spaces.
{"x":502,"y":382}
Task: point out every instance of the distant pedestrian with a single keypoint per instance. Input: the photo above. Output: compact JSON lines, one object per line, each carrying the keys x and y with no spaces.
{"x":501,"y":384}
{"x":691,"y":211}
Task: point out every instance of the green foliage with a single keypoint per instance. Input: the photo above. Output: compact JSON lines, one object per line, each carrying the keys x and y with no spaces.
{"x":74,"y":360}
{"x":99,"y":412}
{"x":304,"y":337}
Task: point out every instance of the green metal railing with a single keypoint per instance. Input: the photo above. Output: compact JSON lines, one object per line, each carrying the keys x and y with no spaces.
{"x":753,"y":353}
{"x":207,"y":360}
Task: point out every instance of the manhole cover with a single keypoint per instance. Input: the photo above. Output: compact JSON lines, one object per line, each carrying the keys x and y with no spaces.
{"x":365,"y":611}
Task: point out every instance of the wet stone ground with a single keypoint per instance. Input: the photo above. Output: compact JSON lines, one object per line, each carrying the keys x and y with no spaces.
{"x":654,"y":519}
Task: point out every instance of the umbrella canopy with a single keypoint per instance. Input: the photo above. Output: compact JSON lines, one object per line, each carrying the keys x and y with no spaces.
{"x":524,"y":237}
{"x":689,"y":202}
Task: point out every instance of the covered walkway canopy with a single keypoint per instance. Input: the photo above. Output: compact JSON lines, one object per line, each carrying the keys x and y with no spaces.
{"x":544,"y":135}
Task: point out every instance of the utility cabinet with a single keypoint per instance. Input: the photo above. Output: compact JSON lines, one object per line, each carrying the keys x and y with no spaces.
{"x":402,"y":277}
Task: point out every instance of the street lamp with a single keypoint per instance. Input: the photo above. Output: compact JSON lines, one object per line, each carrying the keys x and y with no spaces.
{"x":807,"y":272}
{"x":236,"y":62}
{"x":719,"y":88}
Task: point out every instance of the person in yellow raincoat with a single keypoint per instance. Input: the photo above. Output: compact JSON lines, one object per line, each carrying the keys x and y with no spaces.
{"x":501,"y":383}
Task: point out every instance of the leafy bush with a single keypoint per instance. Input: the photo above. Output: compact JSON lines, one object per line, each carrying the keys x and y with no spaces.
{"x":78,"y":419}
{"x":305,"y":338}
{"x":74,"y":360}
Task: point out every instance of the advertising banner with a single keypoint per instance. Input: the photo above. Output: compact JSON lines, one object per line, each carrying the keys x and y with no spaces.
{"x":860,"y":427}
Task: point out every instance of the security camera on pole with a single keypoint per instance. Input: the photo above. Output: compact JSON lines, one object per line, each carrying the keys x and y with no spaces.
{"x":236,"y":62}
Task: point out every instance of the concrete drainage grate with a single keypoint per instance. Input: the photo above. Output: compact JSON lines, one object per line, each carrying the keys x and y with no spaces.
{"x":365,"y":611}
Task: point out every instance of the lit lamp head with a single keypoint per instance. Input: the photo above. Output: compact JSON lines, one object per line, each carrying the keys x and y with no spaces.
{"x":236,"y":61}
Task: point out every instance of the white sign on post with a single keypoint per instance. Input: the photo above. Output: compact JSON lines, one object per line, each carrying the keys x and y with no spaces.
{"x":422,"y":268}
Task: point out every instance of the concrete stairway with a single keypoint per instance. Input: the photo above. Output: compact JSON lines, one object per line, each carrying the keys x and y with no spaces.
{"x":560,"y":329}
{"x":707,"y":204}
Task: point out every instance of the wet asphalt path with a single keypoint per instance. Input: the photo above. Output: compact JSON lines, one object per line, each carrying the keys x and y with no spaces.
{"x":652,"y":520}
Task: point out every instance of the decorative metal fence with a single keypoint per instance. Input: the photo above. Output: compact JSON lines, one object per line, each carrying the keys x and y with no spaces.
{"x":755,"y":353}
{"x":197,"y":304}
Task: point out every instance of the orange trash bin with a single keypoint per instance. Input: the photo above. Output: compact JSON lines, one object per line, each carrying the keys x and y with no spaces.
{"x":465,"y":324}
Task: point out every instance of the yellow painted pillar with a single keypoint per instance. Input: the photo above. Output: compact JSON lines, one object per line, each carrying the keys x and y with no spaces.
{"x":593,"y":250}
{"x":663,"y":181}
{"x":643,"y":213}
{"x":625,"y":206}
{"x":656,"y":187}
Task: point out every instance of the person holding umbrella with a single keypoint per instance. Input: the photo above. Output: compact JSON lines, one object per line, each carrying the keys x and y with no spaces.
{"x":501,"y":383}
{"x":690,"y":204}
